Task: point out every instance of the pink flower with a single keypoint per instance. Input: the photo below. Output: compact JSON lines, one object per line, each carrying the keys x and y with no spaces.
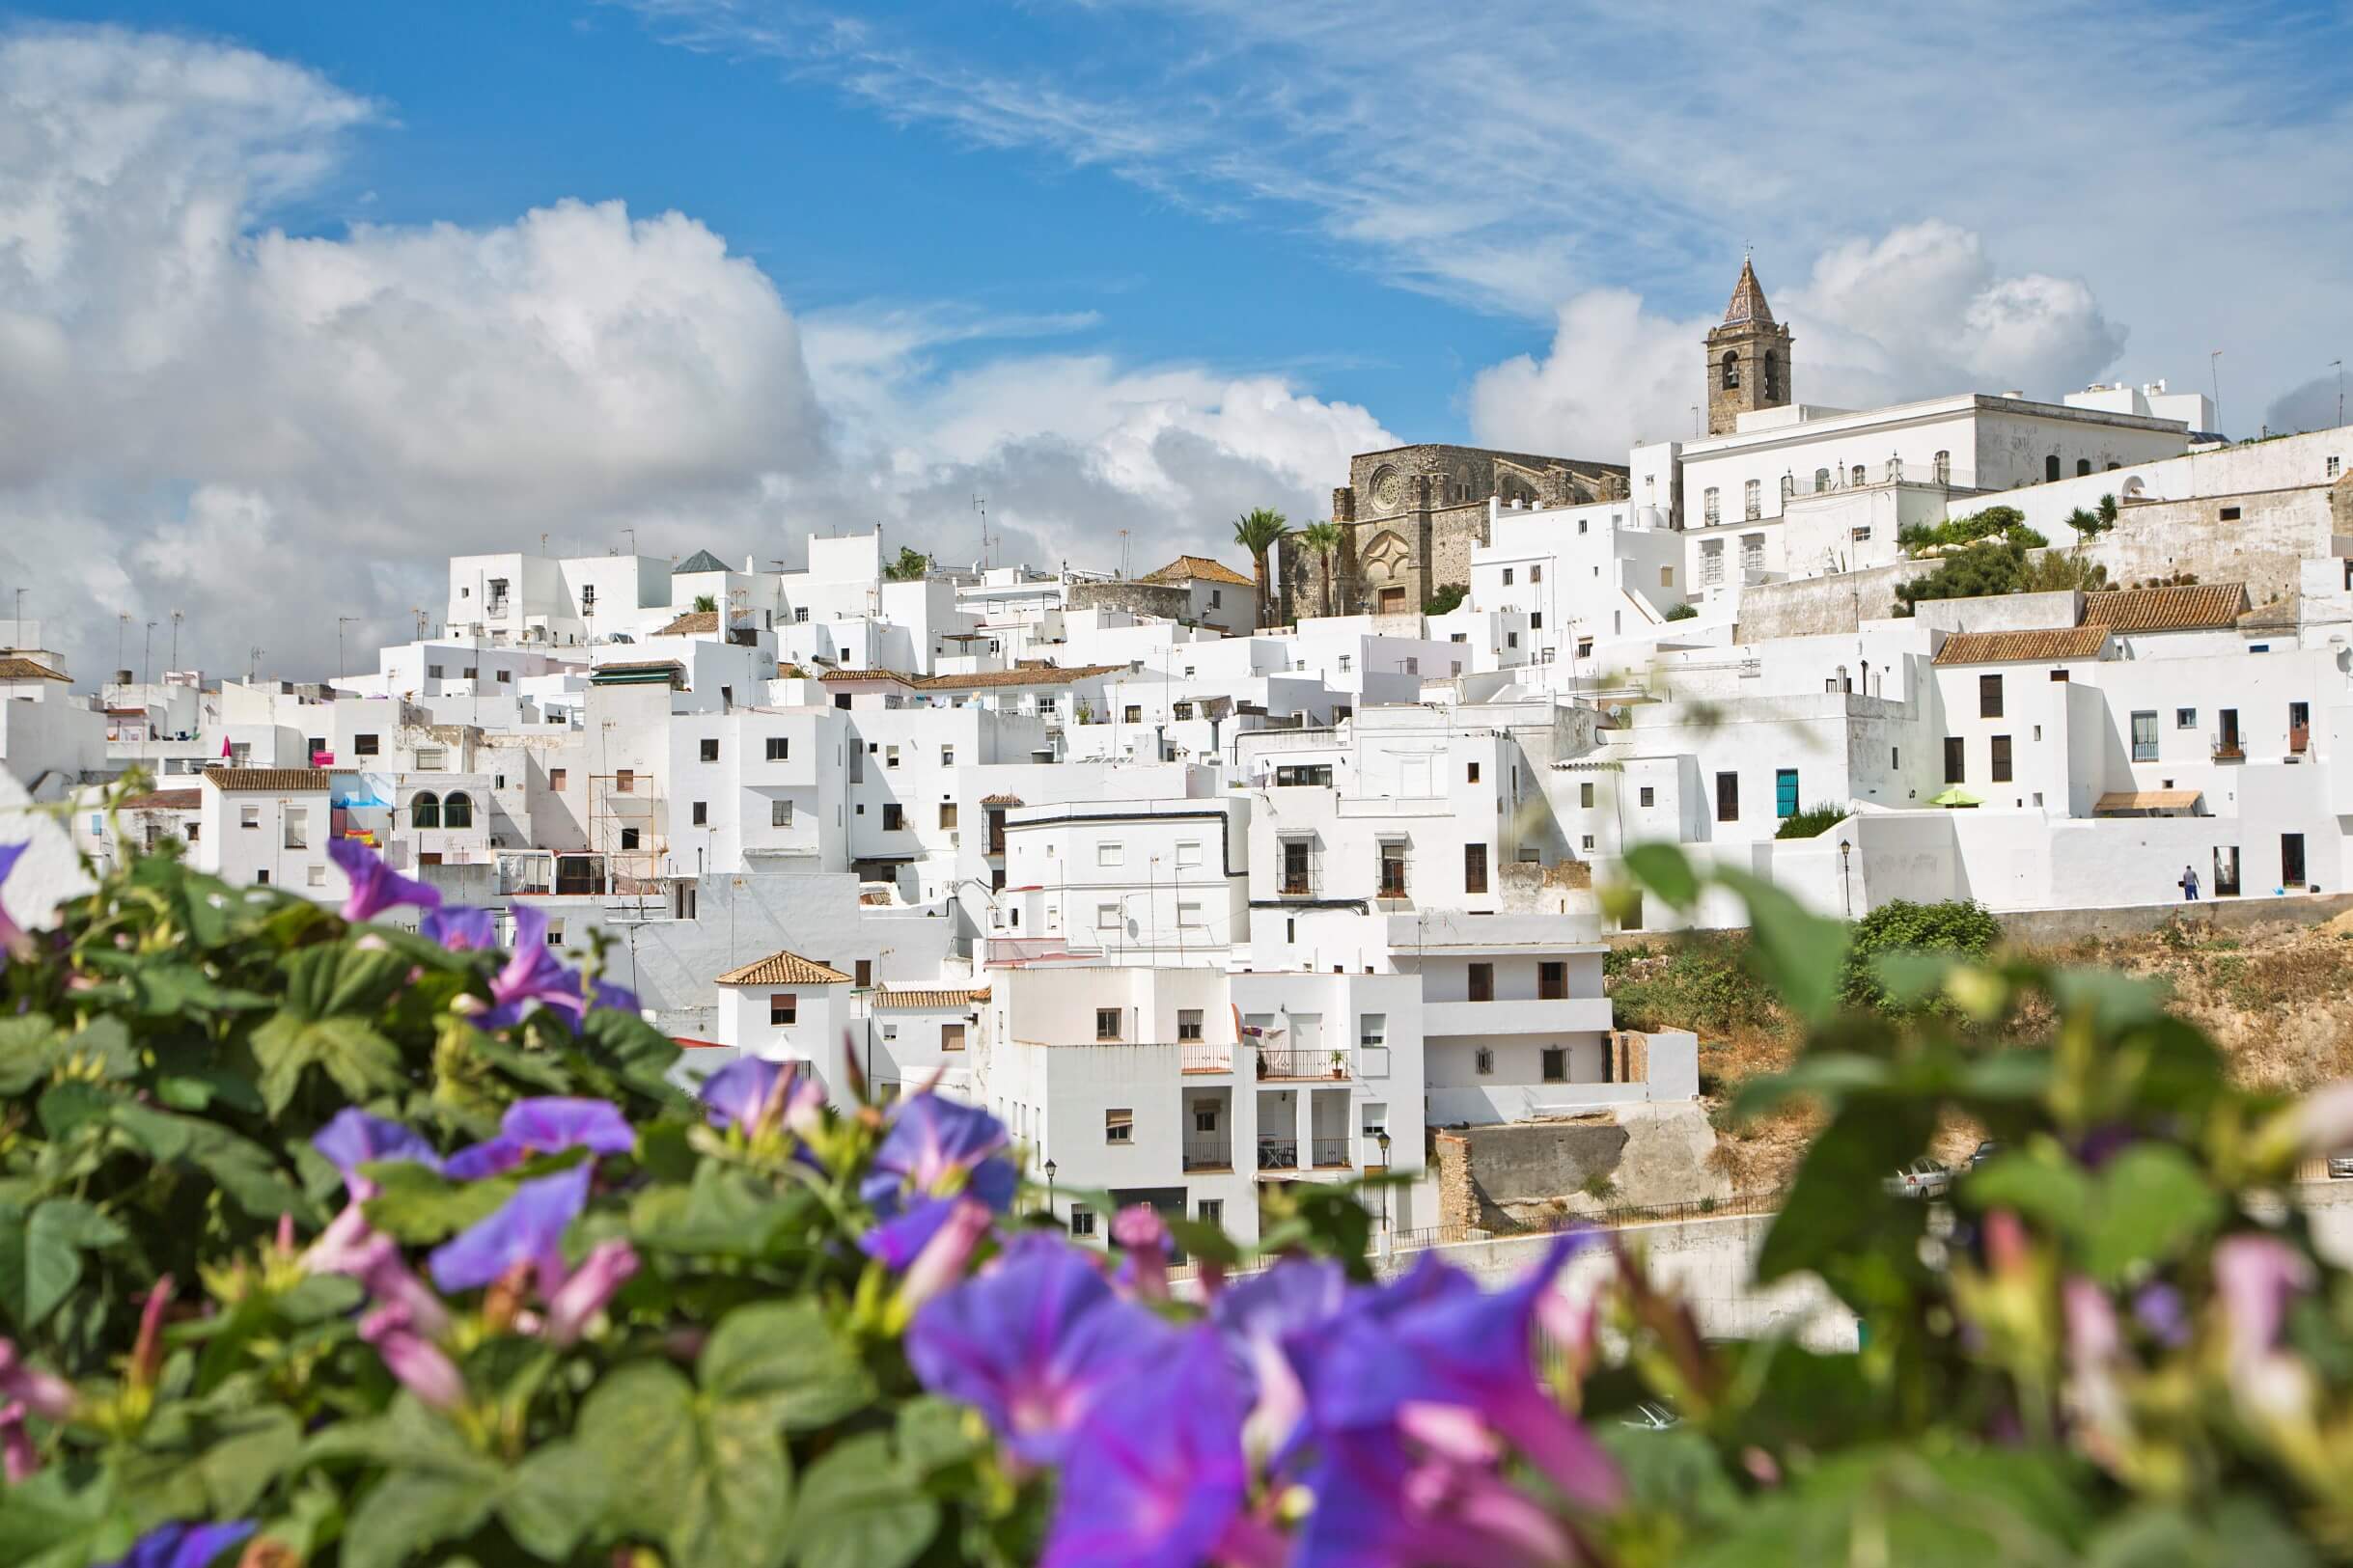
{"x":1143,"y":1235}
{"x":941,"y":1262}
{"x":45,"y":1394}
{"x":609,"y":1265}
{"x":17,"y":1453}
{"x":2323,"y":1119}
{"x":2256,"y":1277}
{"x":416,"y":1360}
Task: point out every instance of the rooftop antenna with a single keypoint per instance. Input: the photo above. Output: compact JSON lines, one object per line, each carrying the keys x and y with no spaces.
{"x":980,"y":504}
{"x":175,"y":617}
{"x":2214,"y":364}
{"x":2337,"y":364}
{"x":341,"y":621}
{"x":121,"y":627}
{"x":1122,"y":552}
{"x":253,"y":665}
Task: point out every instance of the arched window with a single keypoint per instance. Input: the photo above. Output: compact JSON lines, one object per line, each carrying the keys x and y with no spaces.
{"x":1856,"y":476}
{"x":1943,"y":468}
{"x":1821,"y":480}
{"x":1732,"y":370}
{"x":1711,"y":507}
{"x":1789,"y":486}
{"x":1772,"y":373}
{"x":2050,"y":468}
{"x":424,"y":811}
{"x":458,"y":811}
{"x":2083,"y":466}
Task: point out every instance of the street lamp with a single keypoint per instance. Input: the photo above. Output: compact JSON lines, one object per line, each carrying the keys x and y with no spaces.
{"x":1050,"y":1187}
{"x":1847,"y":886}
{"x":1382,"y":1139}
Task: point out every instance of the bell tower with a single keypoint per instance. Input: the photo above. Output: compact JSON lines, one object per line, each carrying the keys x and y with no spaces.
{"x":1748,"y":357}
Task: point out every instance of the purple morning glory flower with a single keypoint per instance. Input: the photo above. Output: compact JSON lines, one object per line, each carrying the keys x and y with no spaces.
{"x":1155,"y":1476}
{"x":1384,"y":1502}
{"x":527,"y":1229}
{"x":13,"y":938}
{"x":461,"y":929}
{"x":1032,"y":1343}
{"x":934,"y":1150}
{"x":1450,"y":1346}
{"x":2160,"y":1310}
{"x":375,"y":887}
{"x":533,"y":973}
{"x":422,"y":1367}
{"x":1268,"y":1322}
{"x":45,"y":1394}
{"x":354,"y":1139}
{"x":617,"y":998}
{"x":184,"y":1546}
{"x":544,"y":1125}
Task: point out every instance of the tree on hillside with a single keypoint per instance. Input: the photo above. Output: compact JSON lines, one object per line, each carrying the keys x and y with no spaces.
{"x":1973,"y":571}
{"x":911,"y":566}
{"x":1256,"y":532}
{"x":1322,"y":541}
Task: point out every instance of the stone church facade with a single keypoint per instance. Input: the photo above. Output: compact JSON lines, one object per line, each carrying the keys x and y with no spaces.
{"x":1409,"y":516}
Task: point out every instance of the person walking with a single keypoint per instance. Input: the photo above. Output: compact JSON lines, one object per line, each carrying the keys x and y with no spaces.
{"x":2189,"y":883}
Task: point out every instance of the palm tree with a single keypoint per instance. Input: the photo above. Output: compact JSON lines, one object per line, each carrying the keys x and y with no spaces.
{"x":705,"y":603}
{"x":1323,"y":541}
{"x":1257,"y":531}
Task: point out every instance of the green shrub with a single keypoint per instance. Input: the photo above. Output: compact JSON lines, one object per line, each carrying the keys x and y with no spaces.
{"x":1812,"y":822}
{"x":1957,"y":928}
{"x":1445,"y":598}
{"x":1682,"y":610}
{"x":1698,"y":981}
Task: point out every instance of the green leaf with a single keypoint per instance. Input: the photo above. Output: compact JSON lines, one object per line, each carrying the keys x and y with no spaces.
{"x":553,"y":1496}
{"x":2044,"y":1185}
{"x":707,"y":1478}
{"x":2152,"y":1203}
{"x":1665,"y":870}
{"x":1799,"y":953}
{"x":1837,"y":1201}
{"x":360,"y":1061}
{"x":242,"y":1168}
{"x":858,"y":1509}
{"x":934,"y":1434}
{"x":65,"y":1107}
{"x":322,"y":981}
{"x":58,"y":1520}
{"x":410,"y":1510}
{"x":106,"y":1044}
{"x":40,"y":1255}
{"x":29,"y":1047}
{"x":787,"y":1362}
{"x":414,"y":1204}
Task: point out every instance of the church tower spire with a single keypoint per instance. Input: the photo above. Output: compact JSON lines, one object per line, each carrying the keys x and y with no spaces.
{"x":1748,"y":357}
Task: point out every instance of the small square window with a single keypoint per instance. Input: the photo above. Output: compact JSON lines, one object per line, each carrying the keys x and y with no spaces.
{"x":628,"y":838}
{"x":1108,"y":853}
{"x":2185,"y":718}
{"x":1556,"y":1064}
{"x":1188,"y":1022}
{"x":780,"y":748}
{"x":1107,"y":916}
{"x":1106,"y":1022}
{"x":947,"y":756}
{"x":1482,"y":1062}
{"x":702,"y":814}
{"x":1119,"y":1126}
{"x":1649,"y":795}
{"x":893,"y":817}
{"x":1082,"y":1219}
{"x":780,"y":814}
{"x":783,"y":1008}
{"x":364,"y":746}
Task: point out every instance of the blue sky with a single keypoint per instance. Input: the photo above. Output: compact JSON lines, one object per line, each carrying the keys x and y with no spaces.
{"x":341,"y":288}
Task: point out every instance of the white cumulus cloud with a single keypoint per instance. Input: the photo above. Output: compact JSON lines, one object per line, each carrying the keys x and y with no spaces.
{"x":1918,"y":313}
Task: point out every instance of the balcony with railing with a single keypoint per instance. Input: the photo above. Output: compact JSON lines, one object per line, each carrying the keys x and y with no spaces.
{"x":1208,"y":1154}
{"x":1204,"y":1056}
{"x":1330,"y":1154}
{"x":1277,"y":1154}
{"x":2228,"y":748}
{"x":1296,"y":1065}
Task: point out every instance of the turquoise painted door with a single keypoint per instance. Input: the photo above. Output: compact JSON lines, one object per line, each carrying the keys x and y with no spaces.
{"x":1784,"y":792}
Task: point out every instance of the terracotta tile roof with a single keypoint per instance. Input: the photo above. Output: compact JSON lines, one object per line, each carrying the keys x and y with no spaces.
{"x":2200,"y":605}
{"x":1196,"y":569}
{"x":693,"y":620}
{"x":927,"y":1001}
{"x":22,"y":669}
{"x":848,"y":675}
{"x":269,"y":780}
{"x":2282,"y":615}
{"x":2019,"y":648}
{"x":166,"y":800}
{"x":1000,"y":800}
{"x":639,"y":664}
{"x":785,"y":969}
